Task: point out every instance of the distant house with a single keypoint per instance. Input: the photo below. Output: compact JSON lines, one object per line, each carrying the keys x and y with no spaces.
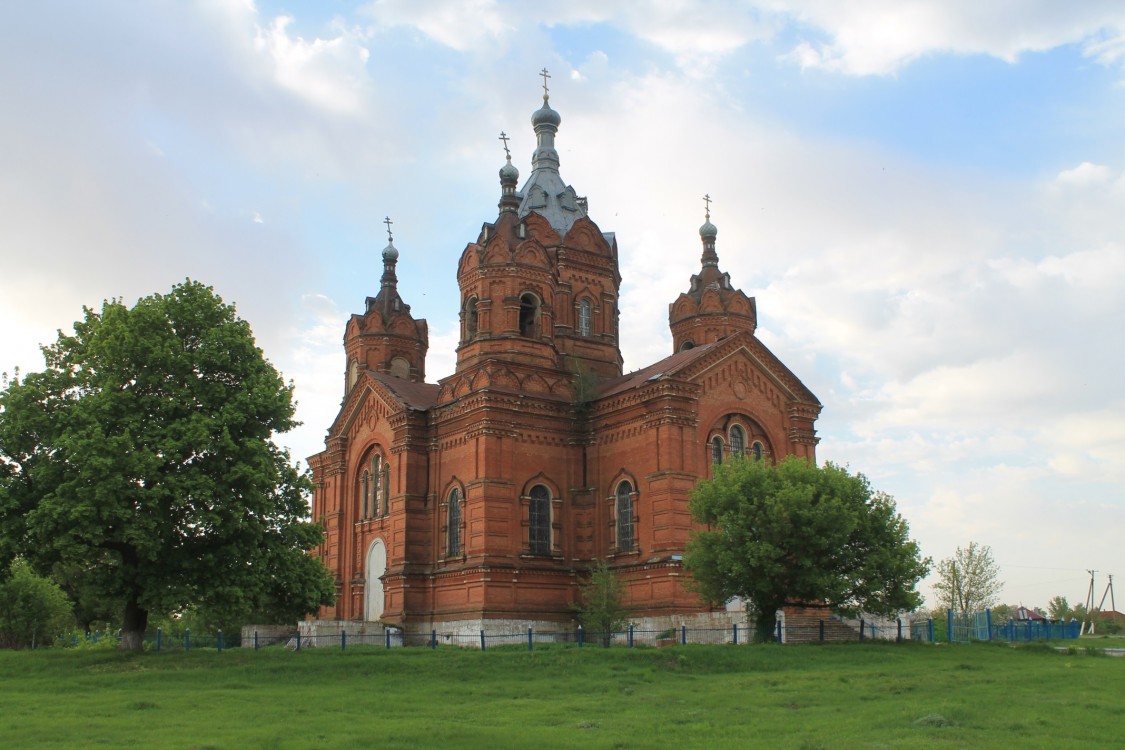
{"x":1023,"y":614}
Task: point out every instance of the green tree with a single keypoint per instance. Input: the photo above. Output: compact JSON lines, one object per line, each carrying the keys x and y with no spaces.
{"x":143,"y":456}
{"x":1059,"y":609}
{"x":969,"y":581}
{"x":33,"y":610}
{"x":796,"y":533}
{"x":600,"y":607}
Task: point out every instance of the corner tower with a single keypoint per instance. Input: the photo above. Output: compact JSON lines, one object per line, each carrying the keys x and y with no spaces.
{"x":386,"y":338}
{"x":711,"y":309}
{"x":539,"y":287}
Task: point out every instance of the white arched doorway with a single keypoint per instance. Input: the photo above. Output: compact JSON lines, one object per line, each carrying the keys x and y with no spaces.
{"x":373,"y":591}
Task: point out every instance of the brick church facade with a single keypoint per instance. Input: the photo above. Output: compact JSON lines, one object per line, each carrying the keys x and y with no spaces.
{"x":484,"y":497}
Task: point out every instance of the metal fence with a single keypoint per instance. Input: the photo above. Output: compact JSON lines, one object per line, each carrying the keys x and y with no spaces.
{"x":963,"y":627}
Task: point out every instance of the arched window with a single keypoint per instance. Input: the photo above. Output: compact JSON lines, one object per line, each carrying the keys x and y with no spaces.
{"x":453,"y":524}
{"x":529,"y":315}
{"x":471,"y":318}
{"x":539,"y":521}
{"x":686,"y":345}
{"x":737,"y":441}
{"x":716,"y":450}
{"x":624,"y":511}
{"x":756,"y":451}
{"x":353,"y":374}
{"x":584,"y":313}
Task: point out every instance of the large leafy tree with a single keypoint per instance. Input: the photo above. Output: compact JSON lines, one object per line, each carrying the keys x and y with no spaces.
{"x":969,"y":581}
{"x":796,"y":533}
{"x":142,"y":456}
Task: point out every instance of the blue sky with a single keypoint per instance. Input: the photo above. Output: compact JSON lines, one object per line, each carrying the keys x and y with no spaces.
{"x":927,"y":200}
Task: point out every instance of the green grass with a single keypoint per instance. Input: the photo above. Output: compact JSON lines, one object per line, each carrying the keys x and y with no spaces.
{"x":828,"y":696}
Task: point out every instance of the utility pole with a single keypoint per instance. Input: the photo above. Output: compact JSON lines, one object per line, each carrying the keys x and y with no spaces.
{"x":1089,"y":606}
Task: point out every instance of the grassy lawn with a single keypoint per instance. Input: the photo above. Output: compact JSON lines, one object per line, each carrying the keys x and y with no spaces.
{"x":820,"y":696}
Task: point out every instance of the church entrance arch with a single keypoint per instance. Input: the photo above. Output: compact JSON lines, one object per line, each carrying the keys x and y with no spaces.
{"x":373,"y":591}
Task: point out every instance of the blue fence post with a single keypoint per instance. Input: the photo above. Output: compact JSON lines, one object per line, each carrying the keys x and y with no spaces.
{"x":187,"y":639}
{"x":579,"y":636}
{"x":1047,"y":624}
{"x":734,"y":633}
{"x":387,"y":638}
{"x":949,"y":624}
{"x":482,"y":639}
{"x":861,"y":625}
{"x":219,"y":643}
{"x":630,"y":635}
{"x":298,"y":640}
{"x":1011,"y":629}
{"x":343,"y":639}
{"x":683,"y":634}
{"x":988,"y":619}
{"x":255,"y":640}
{"x":530,"y":640}
{"x":930,"y":628}
{"x":899,"y":637}
{"x":822,"y":630}
{"x":433,"y":638}
{"x":159,"y":632}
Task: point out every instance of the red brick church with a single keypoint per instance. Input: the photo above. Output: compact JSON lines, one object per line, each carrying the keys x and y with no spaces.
{"x":480,"y":500}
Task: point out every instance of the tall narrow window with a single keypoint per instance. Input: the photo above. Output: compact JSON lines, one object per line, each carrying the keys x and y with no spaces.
{"x":453,"y":525}
{"x":716,"y":450}
{"x":471,"y":318}
{"x":529,"y":315}
{"x":539,"y":521}
{"x":364,"y":490}
{"x":756,"y":451}
{"x":584,"y":317}
{"x":624,"y":517}
{"x":385,"y":485}
{"x":372,"y":498}
{"x":737,"y":441}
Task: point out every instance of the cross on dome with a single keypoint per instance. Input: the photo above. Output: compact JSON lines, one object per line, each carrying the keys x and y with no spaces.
{"x":545,"y":75}
{"x":388,"y":222}
{"x":707,"y":201}
{"x":504,"y":137}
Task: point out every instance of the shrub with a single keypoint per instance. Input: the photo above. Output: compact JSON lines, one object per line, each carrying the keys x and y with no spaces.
{"x":33,"y":610}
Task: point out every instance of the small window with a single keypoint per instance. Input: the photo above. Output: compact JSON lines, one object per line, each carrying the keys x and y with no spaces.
{"x":757,"y":450}
{"x":687,"y":345}
{"x":737,"y":441}
{"x":624,"y":512}
{"x":453,"y":525}
{"x":376,"y":486}
{"x":584,"y":308}
{"x":529,"y":315}
{"x":539,"y":521}
{"x":716,"y":450}
{"x":385,"y":486}
{"x":353,"y":374}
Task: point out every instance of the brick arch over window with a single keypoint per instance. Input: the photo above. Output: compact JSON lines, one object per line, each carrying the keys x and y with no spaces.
{"x":542,"y":501}
{"x":738,"y":435}
{"x":371,"y":485}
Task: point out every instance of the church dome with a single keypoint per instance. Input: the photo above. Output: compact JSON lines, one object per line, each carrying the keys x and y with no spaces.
{"x":545,"y":116}
{"x":509,"y":172}
{"x":708,"y":230}
{"x":390,"y":252}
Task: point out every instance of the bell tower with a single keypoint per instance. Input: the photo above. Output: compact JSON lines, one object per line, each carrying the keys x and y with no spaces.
{"x":386,"y":338}
{"x":539,"y":287}
{"x":711,"y":309}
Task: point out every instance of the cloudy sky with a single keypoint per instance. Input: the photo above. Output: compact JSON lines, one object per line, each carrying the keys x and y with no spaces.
{"x":927,"y":199}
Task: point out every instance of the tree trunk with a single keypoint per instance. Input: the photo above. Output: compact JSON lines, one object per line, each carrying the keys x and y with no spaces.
{"x":765,"y":625}
{"x":133,"y":627}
